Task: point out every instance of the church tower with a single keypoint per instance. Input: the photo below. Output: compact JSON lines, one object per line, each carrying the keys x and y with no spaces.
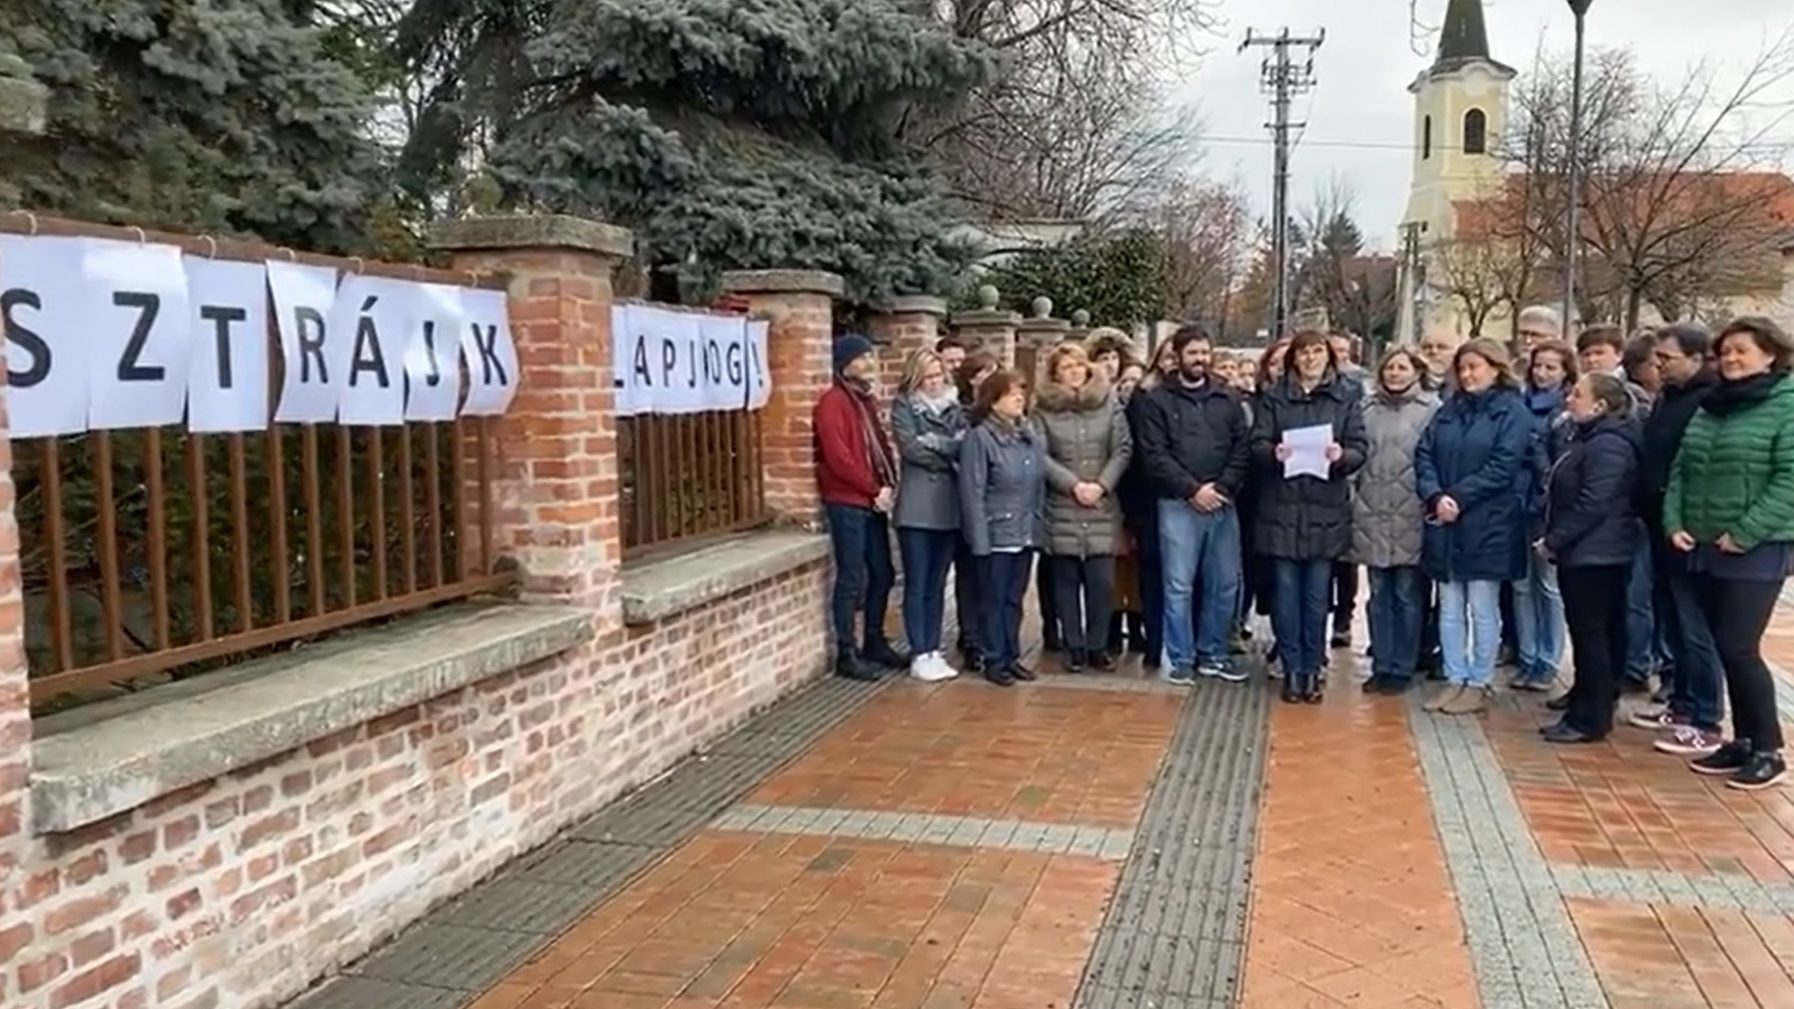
{"x":1460,"y":113}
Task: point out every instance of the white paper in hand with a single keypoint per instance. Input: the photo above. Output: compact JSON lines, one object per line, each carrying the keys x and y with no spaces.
{"x":1307,"y":451}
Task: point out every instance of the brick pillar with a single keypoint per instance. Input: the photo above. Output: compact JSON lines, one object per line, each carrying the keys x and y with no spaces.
{"x":1036,"y":337}
{"x":907,"y":325}
{"x":555,"y":485}
{"x":800,"y":305}
{"x":988,"y":328}
{"x":16,"y":930}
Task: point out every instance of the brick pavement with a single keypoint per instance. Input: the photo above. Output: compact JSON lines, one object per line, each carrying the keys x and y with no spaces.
{"x":962,"y":847}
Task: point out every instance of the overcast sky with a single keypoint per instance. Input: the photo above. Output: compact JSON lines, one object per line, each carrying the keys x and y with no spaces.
{"x":1360,"y":114}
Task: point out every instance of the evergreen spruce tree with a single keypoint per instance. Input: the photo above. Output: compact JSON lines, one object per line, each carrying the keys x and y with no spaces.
{"x":726,"y":133}
{"x":229,"y":117}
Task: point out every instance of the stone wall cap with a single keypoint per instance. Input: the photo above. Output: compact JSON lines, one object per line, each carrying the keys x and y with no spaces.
{"x":915,"y":304}
{"x":1045,"y":326}
{"x":533,"y":231}
{"x":783,"y":282}
{"x":103,"y":759}
{"x":982,"y":317}
{"x":662,"y":588}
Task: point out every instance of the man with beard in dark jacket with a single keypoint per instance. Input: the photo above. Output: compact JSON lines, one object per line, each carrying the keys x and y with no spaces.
{"x":1690,"y":720}
{"x":1191,"y":433}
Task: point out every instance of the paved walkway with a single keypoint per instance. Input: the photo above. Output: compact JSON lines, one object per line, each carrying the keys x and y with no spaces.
{"x":1096,"y":842}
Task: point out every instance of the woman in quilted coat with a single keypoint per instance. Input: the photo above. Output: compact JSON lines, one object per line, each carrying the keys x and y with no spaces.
{"x":1388,"y":522}
{"x":1730,"y":512}
{"x":1085,"y":434}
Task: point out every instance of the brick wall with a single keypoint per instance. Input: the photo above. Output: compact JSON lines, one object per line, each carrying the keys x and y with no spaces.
{"x":238,"y":892}
{"x":799,"y":307}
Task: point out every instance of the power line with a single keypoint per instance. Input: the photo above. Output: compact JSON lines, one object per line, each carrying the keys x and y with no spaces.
{"x":1282,"y":78}
{"x":1390,"y":145}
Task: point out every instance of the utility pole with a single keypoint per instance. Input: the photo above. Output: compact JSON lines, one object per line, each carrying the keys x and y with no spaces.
{"x":1573,"y":199}
{"x":1413,"y":281}
{"x":1282,"y":78}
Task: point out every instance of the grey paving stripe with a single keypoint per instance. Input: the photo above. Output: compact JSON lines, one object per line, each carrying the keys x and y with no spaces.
{"x":1717,"y":891}
{"x":1523,"y":945}
{"x":1123,"y":683}
{"x":447,"y":959}
{"x":1174,"y":936}
{"x":1110,"y":843}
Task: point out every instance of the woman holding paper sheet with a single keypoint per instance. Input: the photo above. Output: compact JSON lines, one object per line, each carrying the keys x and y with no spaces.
{"x":1307,"y":441}
{"x":1468,"y":470}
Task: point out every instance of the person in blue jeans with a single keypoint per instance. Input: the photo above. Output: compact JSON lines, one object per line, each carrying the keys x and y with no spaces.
{"x":1304,"y":521}
{"x":1691,"y":719}
{"x":929,"y":426}
{"x":1191,"y":435}
{"x":1539,"y":631}
{"x":1002,"y":497}
{"x":1387,"y":522}
{"x":856,"y":477}
{"x":1468,"y":472}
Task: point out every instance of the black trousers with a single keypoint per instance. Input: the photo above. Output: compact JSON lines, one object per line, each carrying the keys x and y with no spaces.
{"x":965,"y":595}
{"x":1083,"y":595}
{"x":1002,"y":582}
{"x":1738,"y":612}
{"x":1145,"y":530}
{"x":1345,"y":594}
{"x":1510,"y":637}
{"x":1595,"y":611}
{"x":1052,"y":632}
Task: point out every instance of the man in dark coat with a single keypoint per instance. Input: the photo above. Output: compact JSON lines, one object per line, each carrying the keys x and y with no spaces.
{"x":1696,"y":702}
{"x":1192,"y":437}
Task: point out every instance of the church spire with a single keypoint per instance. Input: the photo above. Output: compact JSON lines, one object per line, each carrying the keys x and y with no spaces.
{"x":1465,"y":37}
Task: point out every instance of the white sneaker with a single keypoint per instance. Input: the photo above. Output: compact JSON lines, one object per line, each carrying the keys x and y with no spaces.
{"x":931,"y":668}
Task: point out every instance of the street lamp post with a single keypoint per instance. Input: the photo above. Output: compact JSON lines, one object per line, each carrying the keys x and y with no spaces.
{"x":1573,"y":197}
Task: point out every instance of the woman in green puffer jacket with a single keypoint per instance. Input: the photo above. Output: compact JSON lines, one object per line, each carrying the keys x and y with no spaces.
{"x":1730,"y":513}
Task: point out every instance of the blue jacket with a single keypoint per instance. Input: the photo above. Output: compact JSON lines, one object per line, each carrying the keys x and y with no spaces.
{"x":1549,"y":432}
{"x":1002,"y":488}
{"x":1475,"y":452}
{"x":1591,"y":516}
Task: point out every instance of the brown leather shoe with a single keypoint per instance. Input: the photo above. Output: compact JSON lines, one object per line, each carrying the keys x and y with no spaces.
{"x":1470,"y":701}
{"x":1446,"y":695}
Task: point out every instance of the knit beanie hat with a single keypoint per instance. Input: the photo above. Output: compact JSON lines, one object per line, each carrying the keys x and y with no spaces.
{"x":849,"y":347}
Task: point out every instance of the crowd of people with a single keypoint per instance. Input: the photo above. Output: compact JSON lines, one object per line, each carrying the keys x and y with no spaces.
{"x":1629,"y":498}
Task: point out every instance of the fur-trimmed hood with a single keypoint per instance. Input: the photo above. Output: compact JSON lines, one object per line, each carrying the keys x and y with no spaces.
{"x":1090,"y":397}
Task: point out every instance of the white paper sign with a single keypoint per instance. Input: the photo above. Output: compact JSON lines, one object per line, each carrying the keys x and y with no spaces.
{"x":227,"y":384}
{"x":622,"y":323}
{"x":490,"y":355}
{"x":41,"y":299}
{"x":303,"y":298}
{"x":1307,"y":451}
{"x":102,"y":335}
{"x":759,"y":375}
{"x":139,"y":335}
{"x":432,"y":357}
{"x":686,"y":362}
{"x":367,"y":337}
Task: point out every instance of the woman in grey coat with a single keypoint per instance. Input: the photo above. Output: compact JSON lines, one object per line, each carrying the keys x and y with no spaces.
{"x":1002,"y":492}
{"x":929,"y":425}
{"x":1388,"y":518}
{"x":1085,"y":434}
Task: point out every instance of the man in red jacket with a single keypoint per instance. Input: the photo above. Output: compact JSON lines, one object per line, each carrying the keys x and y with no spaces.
{"x":856,"y":473}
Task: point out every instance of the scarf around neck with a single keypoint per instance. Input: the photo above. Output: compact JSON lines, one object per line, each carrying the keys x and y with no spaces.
{"x":878,"y":449}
